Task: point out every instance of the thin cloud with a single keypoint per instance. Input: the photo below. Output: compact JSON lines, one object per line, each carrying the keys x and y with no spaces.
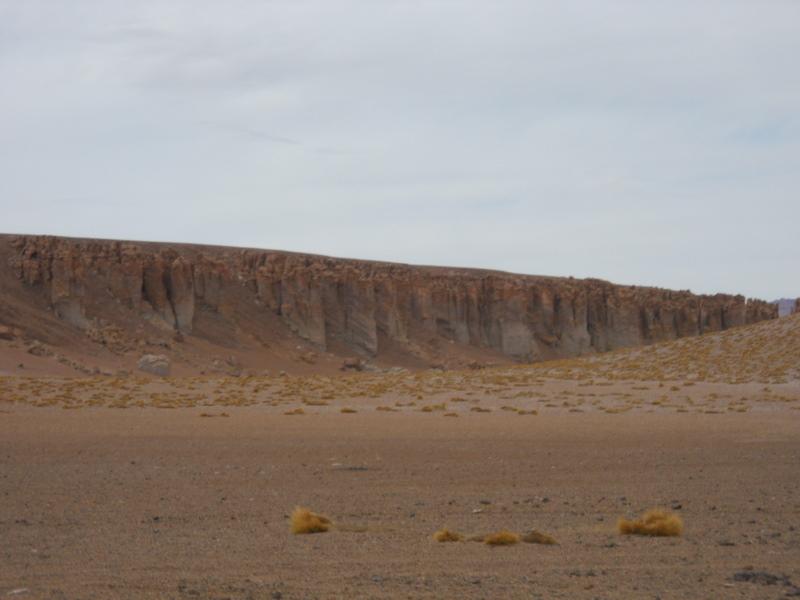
{"x":651,"y":143}
{"x":254,"y":134}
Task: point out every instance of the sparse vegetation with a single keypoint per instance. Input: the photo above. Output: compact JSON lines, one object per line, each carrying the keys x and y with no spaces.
{"x":302,"y":520}
{"x":537,"y":537}
{"x":655,"y":522}
{"x":446,"y":535}
{"x":504,"y":537}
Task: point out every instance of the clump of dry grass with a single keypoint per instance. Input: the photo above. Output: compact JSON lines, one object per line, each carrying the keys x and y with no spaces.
{"x":445,"y":535}
{"x":309,"y":402}
{"x":656,"y":522}
{"x":504,"y":537}
{"x":348,"y":411}
{"x":303,"y":520}
{"x":537,"y":537}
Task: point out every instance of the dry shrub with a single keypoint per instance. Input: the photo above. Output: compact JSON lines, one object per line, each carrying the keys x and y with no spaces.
{"x":655,"y":522}
{"x":504,"y":537}
{"x":537,"y":537}
{"x":445,"y":535}
{"x":305,"y":521}
{"x":348,"y":411}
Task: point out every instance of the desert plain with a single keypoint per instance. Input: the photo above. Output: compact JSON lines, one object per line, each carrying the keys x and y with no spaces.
{"x":147,"y":487}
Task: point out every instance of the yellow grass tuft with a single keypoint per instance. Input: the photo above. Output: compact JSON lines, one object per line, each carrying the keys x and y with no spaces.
{"x":537,"y":537}
{"x":348,"y":411}
{"x":502,"y":538}
{"x":655,"y":522}
{"x":305,"y":521}
{"x":445,"y":535}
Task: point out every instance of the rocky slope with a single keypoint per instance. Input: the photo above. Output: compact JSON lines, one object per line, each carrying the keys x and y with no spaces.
{"x":122,"y":294}
{"x":764,"y":353}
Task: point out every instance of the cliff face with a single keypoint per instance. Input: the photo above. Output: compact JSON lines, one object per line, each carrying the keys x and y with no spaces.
{"x":349,"y":306}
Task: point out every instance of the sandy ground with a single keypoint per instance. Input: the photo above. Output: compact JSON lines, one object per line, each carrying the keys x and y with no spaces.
{"x":162,"y":503}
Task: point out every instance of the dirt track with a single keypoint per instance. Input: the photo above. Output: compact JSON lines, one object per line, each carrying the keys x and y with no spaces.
{"x":153,"y":503}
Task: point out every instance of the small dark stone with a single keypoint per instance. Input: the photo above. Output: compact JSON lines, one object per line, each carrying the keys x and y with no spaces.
{"x":762,"y":578}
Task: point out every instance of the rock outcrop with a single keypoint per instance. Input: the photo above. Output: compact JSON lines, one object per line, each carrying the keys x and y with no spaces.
{"x":155,"y":364}
{"x":351,"y":306}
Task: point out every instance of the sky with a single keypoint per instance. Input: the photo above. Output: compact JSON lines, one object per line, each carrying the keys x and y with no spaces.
{"x":643,"y":142}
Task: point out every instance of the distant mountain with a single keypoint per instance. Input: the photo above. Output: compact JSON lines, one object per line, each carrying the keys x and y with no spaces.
{"x":786,"y":306}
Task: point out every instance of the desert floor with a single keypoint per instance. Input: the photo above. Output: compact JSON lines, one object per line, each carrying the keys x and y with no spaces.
{"x":149,"y":502}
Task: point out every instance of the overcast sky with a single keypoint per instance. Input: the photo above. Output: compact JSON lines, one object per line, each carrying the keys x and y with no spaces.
{"x":644,"y":142}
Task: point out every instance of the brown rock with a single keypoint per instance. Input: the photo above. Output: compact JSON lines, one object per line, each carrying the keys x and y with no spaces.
{"x":308,"y":357}
{"x":6,"y":333}
{"x":155,"y":364}
{"x":39,"y":349}
{"x":352,"y":364}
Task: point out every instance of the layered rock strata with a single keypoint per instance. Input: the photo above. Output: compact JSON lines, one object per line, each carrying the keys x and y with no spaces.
{"x":358,"y":306}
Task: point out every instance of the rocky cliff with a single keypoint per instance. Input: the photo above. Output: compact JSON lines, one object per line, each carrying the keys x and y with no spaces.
{"x":350,"y":306}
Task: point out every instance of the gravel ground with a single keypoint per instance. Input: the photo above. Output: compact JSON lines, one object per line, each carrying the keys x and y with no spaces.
{"x":157,"y":503}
